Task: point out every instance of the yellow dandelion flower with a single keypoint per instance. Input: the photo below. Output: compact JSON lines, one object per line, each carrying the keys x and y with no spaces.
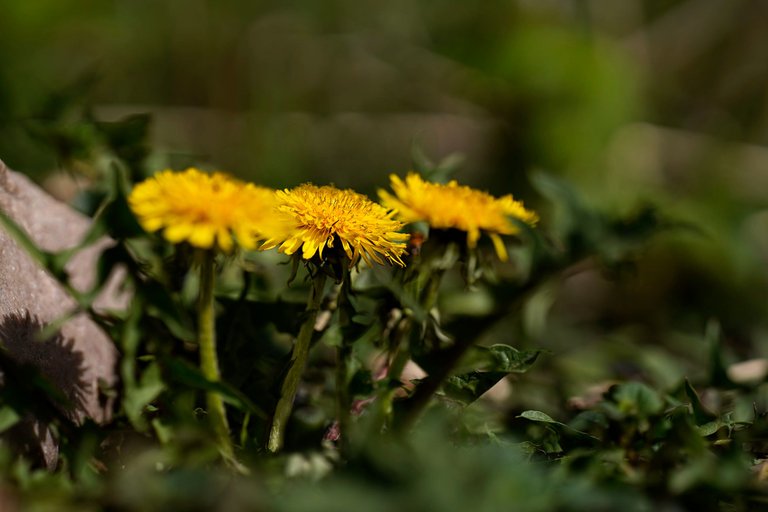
{"x":325,"y":216}
{"x":205,"y":210}
{"x":454,"y":206}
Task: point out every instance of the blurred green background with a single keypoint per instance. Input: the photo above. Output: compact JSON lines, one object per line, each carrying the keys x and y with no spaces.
{"x":632,"y":101}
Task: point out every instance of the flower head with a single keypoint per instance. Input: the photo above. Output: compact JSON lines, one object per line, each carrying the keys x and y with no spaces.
{"x":325,"y":216}
{"x":206,"y":210}
{"x":454,"y":206}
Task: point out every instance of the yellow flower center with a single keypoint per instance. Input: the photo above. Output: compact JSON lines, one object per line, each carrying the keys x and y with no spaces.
{"x":320,"y":215}
{"x":202,"y":209}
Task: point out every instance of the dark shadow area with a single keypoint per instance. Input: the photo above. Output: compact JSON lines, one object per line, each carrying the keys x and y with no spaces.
{"x":55,"y":358}
{"x":42,"y":379}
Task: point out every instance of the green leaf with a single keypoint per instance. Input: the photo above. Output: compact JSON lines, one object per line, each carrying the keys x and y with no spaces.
{"x":539,"y":416}
{"x":128,"y":138}
{"x":164,"y":432}
{"x":700,"y":413}
{"x":542,"y":417}
{"x":573,"y":221}
{"x":636,"y":399}
{"x":510,"y":359}
{"x":21,"y":237}
{"x":188,"y":375}
{"x":498,"y":358}
{"x":148,"y":388}
{"x":469,"y":387}
{"x":487,"y":366}
{"x":718,"y":375}
{"x":419,"y":159}
{"x":53,"y":262}
{"x":710,"y":428}
{"x":115,"y":214}
{"x":8,"y":418}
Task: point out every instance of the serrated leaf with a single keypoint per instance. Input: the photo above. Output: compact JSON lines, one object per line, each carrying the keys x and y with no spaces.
{"x":510,"y":359}
{"x":469,"y":387}
{"x":498,"y":358}
{"x":487,"y":366}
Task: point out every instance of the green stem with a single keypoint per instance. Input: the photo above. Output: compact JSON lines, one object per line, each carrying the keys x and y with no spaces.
{"x":343,"y":400}
{"x":209,"y":363}
{"x":344,"y":352}
{"x":299,"y":357}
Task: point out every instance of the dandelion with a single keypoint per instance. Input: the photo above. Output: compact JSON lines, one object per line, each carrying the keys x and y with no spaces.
{"x":206,"y":210}
{"x":211,"y":212}
{"x":325,"y":218}
{"x":454,"y":206}
{"x":327,"y":223}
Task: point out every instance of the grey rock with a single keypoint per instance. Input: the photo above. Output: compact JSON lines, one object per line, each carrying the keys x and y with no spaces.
{"x":78,"y":359}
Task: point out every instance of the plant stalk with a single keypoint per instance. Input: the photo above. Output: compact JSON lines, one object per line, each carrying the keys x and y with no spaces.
{"x":209,"y":363}
{"x":298,"y":361}
{"x":343,"y":353}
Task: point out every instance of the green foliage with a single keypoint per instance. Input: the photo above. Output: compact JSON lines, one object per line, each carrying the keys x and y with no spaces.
{"x":632,"y":447}
{"x":437,"y":443}
{"x":593,"y":371}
